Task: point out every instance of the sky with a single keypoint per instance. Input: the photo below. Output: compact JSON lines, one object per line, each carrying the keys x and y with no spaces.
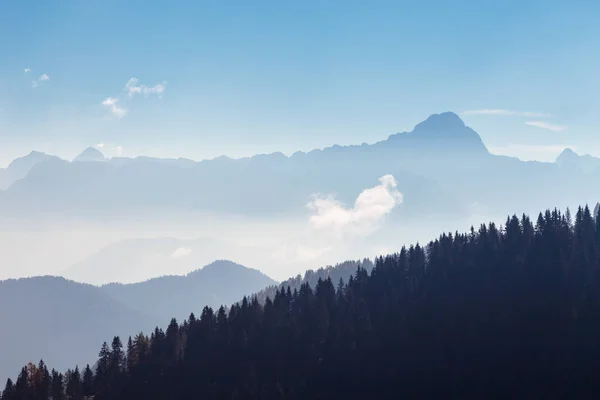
{"x":199,"y":79}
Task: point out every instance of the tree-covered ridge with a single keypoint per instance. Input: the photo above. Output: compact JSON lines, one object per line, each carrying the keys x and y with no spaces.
{"x":339,"y":271}
{"x":507,"y":311}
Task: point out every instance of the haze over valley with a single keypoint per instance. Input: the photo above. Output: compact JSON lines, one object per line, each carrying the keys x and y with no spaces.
{"x":99,"y":220}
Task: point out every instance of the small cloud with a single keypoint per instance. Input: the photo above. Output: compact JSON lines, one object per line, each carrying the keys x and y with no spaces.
{"x":156,"y":89}
{"x":27,"y":70}
{"x":506,"y":113}
{"x":99,"y":146}
{"x":44,"y":77}
{"x":133,"y":88}
{"x":181,"y":252}
{"x":118,"y":150}
{"x":546,"y":125}
{"x":111,"y":103}
{"x":34,"y":84}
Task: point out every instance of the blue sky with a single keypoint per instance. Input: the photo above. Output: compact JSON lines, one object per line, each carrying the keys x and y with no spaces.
{"x":245,"y":77}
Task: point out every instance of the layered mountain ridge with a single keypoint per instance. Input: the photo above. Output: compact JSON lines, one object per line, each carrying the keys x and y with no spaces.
{"x":426,"y":163}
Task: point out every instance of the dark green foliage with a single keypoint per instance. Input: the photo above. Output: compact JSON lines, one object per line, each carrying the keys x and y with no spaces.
{"x":87,"y":383}
{"x":507,"y":311}
{"x":57,"y":389}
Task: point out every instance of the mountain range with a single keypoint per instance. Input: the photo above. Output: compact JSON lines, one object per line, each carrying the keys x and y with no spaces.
{"x":426,"y":163}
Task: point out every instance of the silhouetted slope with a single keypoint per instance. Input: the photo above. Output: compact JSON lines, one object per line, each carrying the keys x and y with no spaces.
{"x":493,"y":313}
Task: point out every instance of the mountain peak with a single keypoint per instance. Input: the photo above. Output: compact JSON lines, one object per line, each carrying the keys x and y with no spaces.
{"x":444,"y":121}
{"x":567,"y":154}
{"x":442,"y":134}
{"x":90,"y":154}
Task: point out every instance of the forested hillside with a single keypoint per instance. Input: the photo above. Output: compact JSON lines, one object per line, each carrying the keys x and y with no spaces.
{"x":508,"y":311}
{"x":341,"y":271}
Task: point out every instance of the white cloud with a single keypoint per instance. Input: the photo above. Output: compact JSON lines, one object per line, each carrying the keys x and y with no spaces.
{"x":133,"y":88}
{"x":44,"y":77}
{"x":111,"y":103}
{"x":34,"y":84}
{"x":100,"y":146}
{"x":27,"y":70}
{"x":370,"y":207}
{"x":181,"y":252}
{"x":118,"y":150}
{"x":331,"y":225}
{"x":506,"y":113}
{"x":546,"y":125}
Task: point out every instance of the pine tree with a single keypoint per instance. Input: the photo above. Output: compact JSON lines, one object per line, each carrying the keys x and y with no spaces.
{"x":57,"y":391}
{"x":10,"y":391}
{"x":87,"y":383}
{"x":73,"y":389}
{"x":101,"y":379}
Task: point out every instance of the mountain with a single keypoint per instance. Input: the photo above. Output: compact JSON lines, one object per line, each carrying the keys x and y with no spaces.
{"x":219,"y":283}
{"x":90,"y":154}
{"x":59,"y":320}
{"x":585,"y":163}
{"x":20,"y":167}
{"x":441,"y":158}
{"x":174,"y":162}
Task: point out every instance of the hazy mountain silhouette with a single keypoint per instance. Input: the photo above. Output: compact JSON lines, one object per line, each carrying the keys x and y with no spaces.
{"x":90,"y":154}
{"x":60,"y":321}
{"x":219,"y":283}
{"x":441,"y":158}
{"x":579,"y":163}
{"x":20,"y":167}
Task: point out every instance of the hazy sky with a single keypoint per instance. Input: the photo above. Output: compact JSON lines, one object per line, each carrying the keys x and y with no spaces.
{"x":238,"y":78}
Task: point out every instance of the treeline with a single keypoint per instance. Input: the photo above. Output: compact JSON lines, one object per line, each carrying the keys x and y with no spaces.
{"x":339,"y":271}
{"x":507,"y":311}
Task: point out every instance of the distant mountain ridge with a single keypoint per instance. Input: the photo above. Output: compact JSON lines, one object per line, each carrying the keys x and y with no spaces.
{"x":218,"y":283}
{"x":441,"y":158}
{"x":90,"y":154}
{"x":20,"y":167}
